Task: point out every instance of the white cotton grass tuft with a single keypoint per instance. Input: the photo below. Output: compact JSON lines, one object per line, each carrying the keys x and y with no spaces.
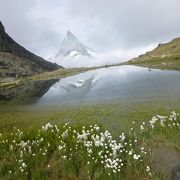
{"x":91,"y":145}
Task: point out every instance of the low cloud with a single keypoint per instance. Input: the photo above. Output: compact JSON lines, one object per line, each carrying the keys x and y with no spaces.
{"x":106,"y":26}
{"x":101,"y":59}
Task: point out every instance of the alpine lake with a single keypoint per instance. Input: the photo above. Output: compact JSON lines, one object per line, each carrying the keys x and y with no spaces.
{"x":113,"y":98}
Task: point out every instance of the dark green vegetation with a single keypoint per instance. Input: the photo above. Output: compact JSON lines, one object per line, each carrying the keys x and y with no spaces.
{"x":163,"y":141}
{"x":165,"y":56}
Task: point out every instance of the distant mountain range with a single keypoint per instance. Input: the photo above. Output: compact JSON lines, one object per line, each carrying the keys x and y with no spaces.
{"x":165,"y":56}
{"x":73,"y":48}
{"x":16,"y":61}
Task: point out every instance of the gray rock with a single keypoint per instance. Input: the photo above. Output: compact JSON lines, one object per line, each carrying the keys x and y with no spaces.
{"x":8,"y":45}
{"x":175,"y":173}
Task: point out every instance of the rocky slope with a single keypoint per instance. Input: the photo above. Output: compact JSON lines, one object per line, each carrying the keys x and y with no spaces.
{"x":16,"y":61}
{"x":165,"y":56}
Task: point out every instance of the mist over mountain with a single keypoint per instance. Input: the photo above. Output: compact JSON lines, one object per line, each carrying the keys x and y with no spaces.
{"x":73,"y":53}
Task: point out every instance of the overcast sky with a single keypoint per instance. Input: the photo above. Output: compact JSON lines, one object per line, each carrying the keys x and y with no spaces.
{"x":104,"y":25}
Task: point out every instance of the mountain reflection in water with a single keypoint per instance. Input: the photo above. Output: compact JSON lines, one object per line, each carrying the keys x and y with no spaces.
{"x":29,"y":91}
{"x":123,"y":84}
{"x":81,"y":87}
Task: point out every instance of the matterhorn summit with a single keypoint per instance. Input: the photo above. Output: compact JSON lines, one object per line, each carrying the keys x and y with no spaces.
{"x":72,"y":53}
{"x":72,"y":47}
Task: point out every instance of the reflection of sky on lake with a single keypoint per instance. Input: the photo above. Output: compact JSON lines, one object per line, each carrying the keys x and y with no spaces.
{"x":123,"y":83}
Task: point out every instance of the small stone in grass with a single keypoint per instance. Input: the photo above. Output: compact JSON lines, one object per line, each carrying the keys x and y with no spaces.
{"x":175,"y":173}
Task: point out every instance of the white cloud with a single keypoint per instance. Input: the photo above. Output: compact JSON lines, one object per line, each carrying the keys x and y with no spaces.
{"x":100,"y":59}
{"x":106,"y":26}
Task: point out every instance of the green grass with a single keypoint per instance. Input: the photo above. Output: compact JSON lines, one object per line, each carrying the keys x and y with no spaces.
{"x":116,"y":116}
{"x":167,"y":63}
{"x":113,"y":117}
{"x":165,"y":56}
{"x":44,"y":76}
{"x":60,"y":152}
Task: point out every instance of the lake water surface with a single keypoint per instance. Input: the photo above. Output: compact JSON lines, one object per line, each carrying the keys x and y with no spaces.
{"x":121,"y":84}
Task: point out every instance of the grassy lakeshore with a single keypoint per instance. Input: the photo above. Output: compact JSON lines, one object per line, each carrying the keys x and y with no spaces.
{"x":166,"y":56}
{"x":61,"y":73}
{"x":117,"y":119}
{"x":57,"y":74}
{"x":166,"y":63}
{"x":100,"y":141}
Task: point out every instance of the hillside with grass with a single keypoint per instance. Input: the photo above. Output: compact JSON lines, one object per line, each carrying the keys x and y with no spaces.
{"x":165,"y":56}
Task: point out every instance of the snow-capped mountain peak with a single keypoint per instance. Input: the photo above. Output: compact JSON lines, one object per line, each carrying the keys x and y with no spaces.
{"x":72,"y":47}
{"x":71,"y":36}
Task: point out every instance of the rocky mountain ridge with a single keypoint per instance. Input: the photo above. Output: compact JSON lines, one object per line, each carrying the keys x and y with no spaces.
{"x":15,"y":60}
{"x":72,"y":47}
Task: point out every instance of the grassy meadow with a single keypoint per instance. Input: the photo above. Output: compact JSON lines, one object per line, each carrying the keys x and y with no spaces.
{"x":104,"y":141}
